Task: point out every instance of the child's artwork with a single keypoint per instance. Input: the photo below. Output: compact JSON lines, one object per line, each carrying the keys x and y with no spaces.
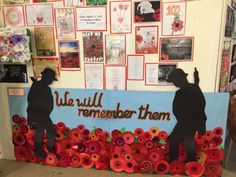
{"x":39,"y":14}
{"x":147,"y":11}
{"x":93,"y":46}
{"x":73,"y":3}
{"x":91,"y":18}
{"x":176,"y":49}
{"x":173,"y":18}
{"x":115,"y":78}
{"x":65,"y":23}
{"x":38,"y":1}
{"x":44,"y":40}
{"x":115,"y":49}
{"x":39,"y":64}
{"x":146,"y":39}
{"x":120,"y":17}
{"x":224,"y":70}
{"x":96,"y":2}
{"x":10,"y":2}
{"x":13,"y":16}
{"x":94,"y":74}
{"x":69,"y":55}
{"x":135,"y":67}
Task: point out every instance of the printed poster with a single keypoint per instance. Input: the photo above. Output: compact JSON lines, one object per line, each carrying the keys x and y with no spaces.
{"x":135,"y":67}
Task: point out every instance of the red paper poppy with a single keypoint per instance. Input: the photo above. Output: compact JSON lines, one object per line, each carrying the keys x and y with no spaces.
{"x":138,"y":169}
{"x":177,"y":168}
{"x":123,"y":150}
{"x":21,"y":153}
{"x":86,"y":132}
{"x":67,"y":146}
{"x":194,"y":169}
{"x":105,"y":135}
{"x":102,"y":163}
{"x":16,"y":129}
{"x":213,"y":170}
{"x":24,"y":129}
{"x":209,"y":135}
{"x":215,"y":155}
{"x":205,"y":147}
{"x":162,"y":135}
{"x":95,"y":157}
{"x":154,"y":131}
{"x":81,"y":127}
{"x":216,"y":141}
{"x":66,"y":131}
{"x":141,"y":139}
{"x":86,"y":162}
{"x":161,"y":167}
{"x":128,"y":137}
{"x":118,"y":141}
{"x":218,"y":131}
{"x":128,"y":157}
{"x":147,"y":166}
{"x":60,"y":126}
{"x":33,"y":158}
{"x":199,"y":139}
{"x":201,"y":157}
{"x":75,"y":134}
{"x":86,"y":139}
{"x":147,"y":136}
{"x":75,"y":161}
{"x":51,"y":160}
{"x":64,"y":160}
{"x":149,"y":144}
{"x":81,"y":147}
{"x":16,"y":118}
{"x":57,"y":147}
{"x":154,"y":156}
{"x":138,"y":132}
{"x":116,"y":133}
{"x":139,"y":152}
{"x":115,"y":156}
{"x":117,"y":165}
{"x":23,"y":120}
{"x":19,"y":139}
{"x":177,"y":25}
{"x":129,"y":166}
{"x":59,"y":136}
{"x":98,"y":131}
{"x":94,"y":148}
{"x":93,"y":137}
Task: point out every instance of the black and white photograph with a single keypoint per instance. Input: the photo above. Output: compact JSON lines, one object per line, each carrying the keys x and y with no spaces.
{"x":176,"y":49}
{"x":229,"y":26}
{"x":163,"y":72}
{"x":13,"y":73}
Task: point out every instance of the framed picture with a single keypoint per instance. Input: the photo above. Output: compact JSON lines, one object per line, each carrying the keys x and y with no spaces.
{"x":73,"y":3}
{"x":44,"y":40}
{"x":65,"y":23}
{"x":115,"y":49}
{"x":13,"y":16}
{"x":176,"y":49}
{"x":11,"y":2}
{"x":173,"y":18}
{"x":135,"y":67}
{"x":39,"y":64}
{"x":232,"y":73}
{"x":147,"y":11}
{"x":229,"y":22}
{"x":69,"y":55}
{"x":120,"y":17}
{"x":93,"y":46}
{"x":224,"y":70}
{"x":96,"y":2}
{"x":115,"y":78}
{"x":38,"y":1}
{"x":95,"y":21}
{"x":13,"y":73}
{"x":146,"y":39}
{"x":158,"y":73}
{"x":39,"y":14}
{"x":233,"y":59}
{"x":94,"y":75}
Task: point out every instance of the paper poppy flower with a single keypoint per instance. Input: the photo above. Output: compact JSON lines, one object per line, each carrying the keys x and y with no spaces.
{"x":57,"y":147}
{"x":75,"y":134}
{"x":86,"y":139}
{"x":123,"y":150}
{"x":95,"y":157}
{"x":128,"y":137}
{"x":201,"y":157}
{"x":215,"y":155}
{"x":162,"y":135}
{"x":81,"y":127}
{"x":64,"y":160}
{"x":216,"y":141}
{"x":218,"y":131}
{"x":81,"y":147}
{"x":147,"y":166}
{"x":177,"y":168}
{"x":149,"y":144}
{"x":141,"y":139}
{"x":93,"y":137}
{"x":67,"y":145}
{"x":161,"y":167}
{"x":86,"y":162}
{"x":205,"y":147}
{"x":147,"y":136}
{"x":98,"y":131}
{"x":138,"y":132}
{"x":128,"y":157}
{"x":154,"y":131}
{"x":75,"y":161}
{"x":105,"y":135}
{"x":16,"y":129}
{"x":16,"y":118}
{"x":51,"y":159}
{"x":23,"y":121}
{"x":21,"y":153}
{"x":86,"y":132}
{"x":116,"y":133}
{"x":59,"y":136}
{"x":94,"y":148}
{"x":117,"y":165}
{"x":129,"y":166}
{"x":118,"y":141}
{"x":209,"y":135}
{"x":199,"y":139}
{"x":19,"y":139}
{"x":177,"y":25}
{"x":33,"y":158}
{"x":138,"y":168}
{"x":66,"y":131}
{"x":24,"y":129}
{"x":60,"y":126}
{"x":102,"y":163}
{"x":213,"y":170}
{"x":194,"y":169}
{"x":154,"y":156}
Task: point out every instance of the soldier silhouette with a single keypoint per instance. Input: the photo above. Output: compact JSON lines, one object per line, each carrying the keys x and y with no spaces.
{"x":40,"y":106}
{"x":189,"y":109}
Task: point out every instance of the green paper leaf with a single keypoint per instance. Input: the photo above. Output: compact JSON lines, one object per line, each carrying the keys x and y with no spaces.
{"x":162,"y":141}
{"x":122,"y":130}
{"x":221,"y":147}
{"x":109,"y":139}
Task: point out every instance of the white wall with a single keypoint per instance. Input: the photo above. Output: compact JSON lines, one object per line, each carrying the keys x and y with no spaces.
{"x":204,"y":22}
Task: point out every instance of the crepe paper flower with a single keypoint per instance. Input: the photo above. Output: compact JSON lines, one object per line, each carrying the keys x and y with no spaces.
{"x":147,"y":166}
{"x":129,"y":166}
{"x":128,"y":157}
{"x":123,"y":150}
{"x":33,"y":158}
{"x":154,"y":156}
{"x":16,"y":118}
{"x":218,"y":131}
{"x":81,"y":147}
{"x":147,"y":136}
{"x":75,"y":134}
{"x":57,"y":147}
{"x":66,"y":131}
{"x":59,"y":136}
{"x":209,"y":135}
{"x":119,"y":141}
{"x":51,"y":160}
{"x":216,"y":141}
{"x":86,"y":132}
{"x":215,"y":155}
{"x":177,"y":168}
{"x":67,"y":146}
{"x":138,"y":132}
{"x":102,"y":163}
{"x":81,"y":128}
{"x":64,"y":160}
{"x":98,"y":131}
{"x":201,"y":157}
{"x":194,"y":169}
{"x":128,"y":137}
{"x":75,"y":161}
{"x":24,"y":129}
{"x":16,"y":129}
{"x":199,"y":139}
{"x":161,"y":167}
{"x":164,"y":56}
{"x":105,"y":135}
{"x":94,"y":148}
{"x":115,"y":133}
{"x":149,"y":144}
{"x":138,"y":18}
{"x":19,"y":139}
{"x":213,"y":170}
{"x":138,"y":168}
{"x":117,"y":165}
{"x":21,"y":153}
{"x":162,"y":135}
{"x":60,"y":126}
{"x":154,"y":131}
